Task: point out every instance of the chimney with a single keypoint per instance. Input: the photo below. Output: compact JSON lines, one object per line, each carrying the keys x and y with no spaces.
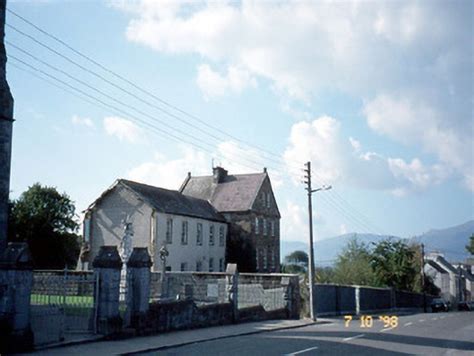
{"x":219,"y":174}
{"x":264,"y":169}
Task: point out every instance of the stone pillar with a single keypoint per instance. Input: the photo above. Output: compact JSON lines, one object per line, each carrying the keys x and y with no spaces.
{"x":138,"y":291}
{"x":107,"y":266}
{"x":16,"y":279}
{"x":232,"y":289}
{"x":6,"y":127}
{"x":292,"y":295}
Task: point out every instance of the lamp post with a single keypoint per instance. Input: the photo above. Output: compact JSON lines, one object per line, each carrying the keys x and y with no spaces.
{"x":312,"y":297}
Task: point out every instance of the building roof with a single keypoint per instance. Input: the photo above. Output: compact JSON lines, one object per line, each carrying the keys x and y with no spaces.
{"x":434,"y":265}
{"x":236,"y":192}
{"x":169,"y":201}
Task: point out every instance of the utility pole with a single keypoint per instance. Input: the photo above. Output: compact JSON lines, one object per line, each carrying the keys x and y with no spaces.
{"x":423,"y":276}
{"x":312,"y":297}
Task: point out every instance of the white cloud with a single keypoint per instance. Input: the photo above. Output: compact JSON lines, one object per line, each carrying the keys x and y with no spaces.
{"x":413,"y":122}
{"x":214,"y":84}
{"x":171,"y":173}
{"x":82,"y":121}
{"x":336,"y":160}
{"x":294,"y":226}
{"x":123,"y":129}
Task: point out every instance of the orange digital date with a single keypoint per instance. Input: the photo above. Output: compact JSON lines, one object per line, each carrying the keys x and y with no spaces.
{"x":367,"y":321}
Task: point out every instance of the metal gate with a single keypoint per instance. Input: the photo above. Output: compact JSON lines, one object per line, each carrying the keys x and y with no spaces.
{"x":63,"y":303}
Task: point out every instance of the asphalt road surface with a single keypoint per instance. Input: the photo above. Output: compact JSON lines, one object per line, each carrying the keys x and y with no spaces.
{"x":421,"y":334}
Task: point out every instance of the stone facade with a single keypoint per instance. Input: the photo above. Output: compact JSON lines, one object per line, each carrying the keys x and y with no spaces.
{"x":6,"y":126}
{"x":249,"y":206}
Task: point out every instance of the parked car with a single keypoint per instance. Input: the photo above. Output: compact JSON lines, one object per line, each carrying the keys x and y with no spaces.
{"x":467,"y":306}
{"x":439,"y":304}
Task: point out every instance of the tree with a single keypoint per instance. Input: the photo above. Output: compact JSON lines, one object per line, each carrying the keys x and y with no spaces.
{"x":396,"y":264}
{"x":353,"y":265}
{"x":296,"y":262}
{"x":45,"y":219}
{"x":470,"y":247}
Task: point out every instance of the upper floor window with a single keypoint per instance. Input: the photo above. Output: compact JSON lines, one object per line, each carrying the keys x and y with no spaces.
{"x":267,"y":199}
{"x":221,"y":236}
{"x":211,"y":264}
{"x":184,"y":266}
{"x":257,"y":259}
{"x":265,"y":264}
{"x":198,"y":266}
{"x":272,"y":227}
{"x":221,"y":265}
{"x":272,"y":256}
{"x":211,"y":235}
{"x":264,"y":227}
{"x":199,"y":234}
{"x":169,"y":231}
{"x":184,"y":233}
{"x":256,"y":225}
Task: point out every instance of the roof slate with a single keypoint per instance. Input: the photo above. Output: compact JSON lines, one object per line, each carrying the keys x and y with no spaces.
{"x":235,"y":193}
{"x":173,"y":202}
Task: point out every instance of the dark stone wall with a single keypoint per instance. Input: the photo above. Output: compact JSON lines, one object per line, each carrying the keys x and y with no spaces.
{"x":375,"y":299}
{"x":6,"y":121}
{"x":243,"y":241}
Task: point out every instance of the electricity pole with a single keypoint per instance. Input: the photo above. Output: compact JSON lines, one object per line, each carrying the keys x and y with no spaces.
{"x":312,"y":297}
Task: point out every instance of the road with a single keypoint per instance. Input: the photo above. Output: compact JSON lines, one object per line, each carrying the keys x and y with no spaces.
{"x":422,"y":334}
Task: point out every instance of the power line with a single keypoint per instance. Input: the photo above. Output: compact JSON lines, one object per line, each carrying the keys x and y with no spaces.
{"x":279,"y":162}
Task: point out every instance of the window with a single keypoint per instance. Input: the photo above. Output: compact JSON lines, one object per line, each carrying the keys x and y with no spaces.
{"x":221,"y":265}
{"x":169,"y":231}
{"x":268,"y":200}
{"x":265,"y":265}
{"x":272,"y":227}
{"x":256,"y":226}
{"x":184,"y":233}
{"x":211,"y":264}
{"x":257,"y":253}
{"x":272,"y":256}
{"x":221,"y":236}
{"x":198,"y":266}
{"x":211,"y":235}
{"x":184,"y":266}
{"x":264,"y":227}
{"x":199,"y":235}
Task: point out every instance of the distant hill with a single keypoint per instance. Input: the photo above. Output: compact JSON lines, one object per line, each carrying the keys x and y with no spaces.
{"x":449,"y":241}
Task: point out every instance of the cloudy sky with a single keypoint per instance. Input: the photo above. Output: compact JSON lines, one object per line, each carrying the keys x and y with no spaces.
{"x":377,"y":95}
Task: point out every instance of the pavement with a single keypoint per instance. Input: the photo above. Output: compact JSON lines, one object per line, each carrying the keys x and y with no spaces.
{"x":174,"y":339}
{"x":418,"y":334}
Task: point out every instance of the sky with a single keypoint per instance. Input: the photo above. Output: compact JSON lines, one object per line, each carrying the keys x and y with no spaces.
{"x":377,"y":95}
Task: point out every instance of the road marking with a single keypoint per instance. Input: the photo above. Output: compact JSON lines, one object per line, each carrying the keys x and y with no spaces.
{"x":434,"y":318}
{"x":302,"y":351}
{"x":442,"y":317}
{"x":353,"y":337}
{"x":408,"y":324}
{"x":387,"y":329}
{"x":421,"y":320}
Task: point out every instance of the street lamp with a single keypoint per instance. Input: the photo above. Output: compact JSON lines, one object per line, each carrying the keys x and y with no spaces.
{"x":310,"y":191}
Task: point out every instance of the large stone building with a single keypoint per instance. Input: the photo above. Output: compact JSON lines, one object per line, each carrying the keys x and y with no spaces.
{"x":248,"y":204}
{"x":192,"y":231}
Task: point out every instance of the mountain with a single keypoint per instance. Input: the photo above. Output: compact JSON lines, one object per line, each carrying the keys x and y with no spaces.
{"x":449,"y":241}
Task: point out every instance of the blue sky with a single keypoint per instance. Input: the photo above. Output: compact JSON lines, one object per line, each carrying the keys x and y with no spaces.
{"x":378,"y":95}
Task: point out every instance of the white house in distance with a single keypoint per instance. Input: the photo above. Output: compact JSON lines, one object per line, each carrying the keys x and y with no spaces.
{"x":193,"y":232}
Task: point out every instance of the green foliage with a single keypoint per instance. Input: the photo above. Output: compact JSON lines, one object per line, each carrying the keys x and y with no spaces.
{"x":470,"y":247}
{"x":299,"y":258}
{"x":45,"y":219}
{"x":292,"y":269}
{"x":396,"y":264}
{"x":324,"y":275}
{"x":353,"y":265}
